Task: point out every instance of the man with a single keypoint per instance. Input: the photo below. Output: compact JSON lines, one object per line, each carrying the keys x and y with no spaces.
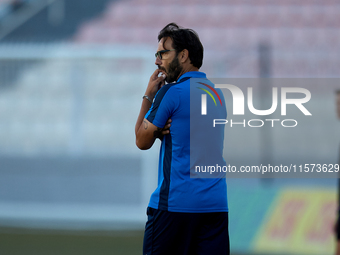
{"x":186,"y":215}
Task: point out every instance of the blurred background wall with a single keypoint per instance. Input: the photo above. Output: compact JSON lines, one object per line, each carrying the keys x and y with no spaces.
{"x":72,"y":74}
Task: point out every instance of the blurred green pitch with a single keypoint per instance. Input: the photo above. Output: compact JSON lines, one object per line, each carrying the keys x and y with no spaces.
{"x":48,"y":242}
{"x":53,"y":242}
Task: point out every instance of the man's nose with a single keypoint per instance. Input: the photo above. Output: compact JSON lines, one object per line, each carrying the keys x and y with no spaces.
{"x":158,"y":62}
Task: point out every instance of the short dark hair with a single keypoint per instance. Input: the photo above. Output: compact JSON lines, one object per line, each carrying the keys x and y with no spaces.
{"x":184,"y":38}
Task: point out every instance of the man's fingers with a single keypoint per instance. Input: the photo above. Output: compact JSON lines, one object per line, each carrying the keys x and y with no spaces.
{"x":168,"y":124}
{"x":161,"y":76}
{"x":158,"y":74}
{"x":166,"y":130}
{"x":155,"y":83}
{"x":159,"y":79}
{"x":161,"y":73}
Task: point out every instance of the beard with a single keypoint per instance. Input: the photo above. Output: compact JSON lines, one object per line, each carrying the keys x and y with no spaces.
{"x":174,"y":70}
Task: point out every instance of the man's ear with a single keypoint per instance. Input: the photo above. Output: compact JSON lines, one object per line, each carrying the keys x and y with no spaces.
{"x":184,"y":56}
